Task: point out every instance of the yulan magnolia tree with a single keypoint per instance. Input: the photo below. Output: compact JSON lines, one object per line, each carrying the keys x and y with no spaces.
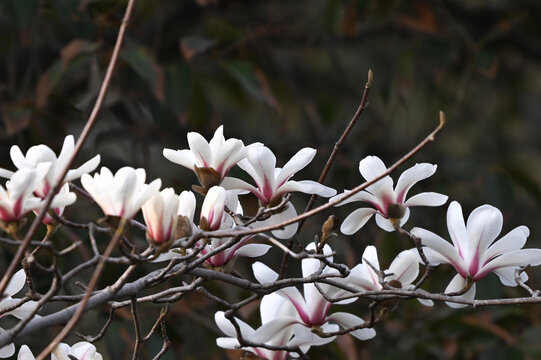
{"x":200,"y":236}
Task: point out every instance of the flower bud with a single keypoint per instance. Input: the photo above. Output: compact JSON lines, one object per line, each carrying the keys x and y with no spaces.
{"x":213,"y":209}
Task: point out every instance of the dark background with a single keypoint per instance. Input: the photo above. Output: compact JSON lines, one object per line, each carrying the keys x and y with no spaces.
{"x":290,"y":74}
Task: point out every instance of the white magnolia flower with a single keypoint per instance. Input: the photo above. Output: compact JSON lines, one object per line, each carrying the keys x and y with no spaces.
{"x":160,"y":213}
{"x":15,"y":285}
{"x":40,"y":154}
{"x":391,"y":206}
{"x":401,"y":273}
{"x":211,"y":161}
{"x":122,"y":194}
{"x":212,"y":210}
{"x":272,"y":183}
{"x":17,"y":199}
{"x":81,"y":351}
{"x":312,"y":309}
{"x":475,"y":252}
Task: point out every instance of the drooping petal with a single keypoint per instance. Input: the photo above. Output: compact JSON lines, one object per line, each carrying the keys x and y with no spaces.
{"x":298,"y":162}
{"x":410,"y":177}
{"x":225,"y":325}
{"x":513,"y":259}
{"x":346,"y":321}
{"x":87,"y":167}
{"x":253,"y":250}
{"x":360,"y":196}
{"x":427,"y":199}
{"x":182,"y":157}
{"x":307,"y":187}
{"x":231,"y":183}
{"x":356,"y":220}
{"x":457,"y":284}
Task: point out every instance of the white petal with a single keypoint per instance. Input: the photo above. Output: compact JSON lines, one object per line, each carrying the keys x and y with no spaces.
{"x":288,"y":213}
{"x":370,"y":255}
{"x":360,"y":196}
{"x":227,"y":327}
{"x":514,"y":240}
{"x":24,"y":353}
{"x":186,"y":204}
{"x":83,"y":350}
{"x":182,"y":157}
{"x":347,"y":321}
{"x":298,"y":162}
{"x":272,"y":329}
{"x":511,"y":259}
{"x":87,"y":167}
{"x":458,"y":284}
{"x":16,"y":283}
{"x":483,"y":226}
{"x":457,"y":229}
{"x":356,"y":220}
{"x":6,"y":173}
{"x":19,"y":160}
{"x":263,"y":164}
{"x":410,"y":177}
{"x":404,"y":267}
{"x":385,"y":223}
{"x":307,"y":187}
{"x":270,"y":306}
{"x":263,"y":273}
{"x":231,"y":183}
{"x":372,"y":167}
{"x":201,"y":149}
{"x":253,"y":250}
{"x":427,"y":199}
{"x":228,"y":343}
{"x":9,"y":349}
{"x":230,"y":153}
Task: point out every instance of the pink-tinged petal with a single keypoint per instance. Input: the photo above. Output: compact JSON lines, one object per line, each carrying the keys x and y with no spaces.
{"x":410,"y":177}
{"x":19,"y":160}
{"x":263,"y":162}
{"x":444,"y":248}
{"x":201,"y":149}
{"x":427,"y":199}
{"x":457,"y":229}
{"x":360,"y":196}
{"x":83,"y":351}
{"x":253,"y":250}
{"x":263,"y":273}
{"x":230,"y":153}
{"x":347,"y":321}
{"x":182,"y":157}
{"x":484,"y":225}
{"x":213,"y":207}
{"x":405,"y":267}
{"x":24,"y":352}
{"x":514,"y":240}
{"x":307,"y":187}
{"x":372,"y":167}
{"x":87,"y":167}
{"x":511,"y":259}
{"x":16,"y":283}
{"x":356,"y":220}
{"x":298,"y":162}
{"x":458,"y":284}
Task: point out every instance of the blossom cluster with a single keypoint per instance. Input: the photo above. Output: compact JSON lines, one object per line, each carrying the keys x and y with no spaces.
{"x":291,"y":320}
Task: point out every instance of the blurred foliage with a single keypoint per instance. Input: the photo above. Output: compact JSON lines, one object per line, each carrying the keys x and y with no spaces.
{"x":290,"y":74}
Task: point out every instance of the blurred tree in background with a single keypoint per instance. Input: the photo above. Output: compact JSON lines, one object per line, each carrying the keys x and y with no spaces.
{"x":290,"y":74}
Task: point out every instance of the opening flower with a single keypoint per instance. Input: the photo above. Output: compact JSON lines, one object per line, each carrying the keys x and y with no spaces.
{"x":390,"y":205}
{"x":120,"y":195}
{"x":80,"y":351}
{"x":475,"y":252}
{"x":160,"y":213}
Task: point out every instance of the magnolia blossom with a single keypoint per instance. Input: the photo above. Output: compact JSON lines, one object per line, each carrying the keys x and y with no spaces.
{"x":40,"y":154}
{"x":272,"y":183}
{"x":17,"y":199}
{"x":81,"y":351}
{"x":211,"y":161}
{"x":475,"y":252}
{"x":312,"y":309}
{"x":391,"y":206}
{"x":122,"y":194}
{"x":215,"y":217}
{"x":15,"y":285}
{"x":160,"y":213}
{"x":401,"y":273}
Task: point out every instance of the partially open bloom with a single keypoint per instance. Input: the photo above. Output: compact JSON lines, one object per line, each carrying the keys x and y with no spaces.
{"x":474,"y":252}
{"x":160,"y":213}
{"x":212,"y":210}
{"x":210,"y":161}
{"x":17,"y":199}
{"x":390,"y":205}
{"x":312,"y":309}
{"x":120,"y":195}
{"x":15,"y":285}
{"x":272,"y":182}
{"x":40,"y":154}
{"x":81,"y":351}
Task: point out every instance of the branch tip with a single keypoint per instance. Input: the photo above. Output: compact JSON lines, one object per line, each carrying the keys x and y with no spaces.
{"x":370,"y":78}
{"x":442,"y":118}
